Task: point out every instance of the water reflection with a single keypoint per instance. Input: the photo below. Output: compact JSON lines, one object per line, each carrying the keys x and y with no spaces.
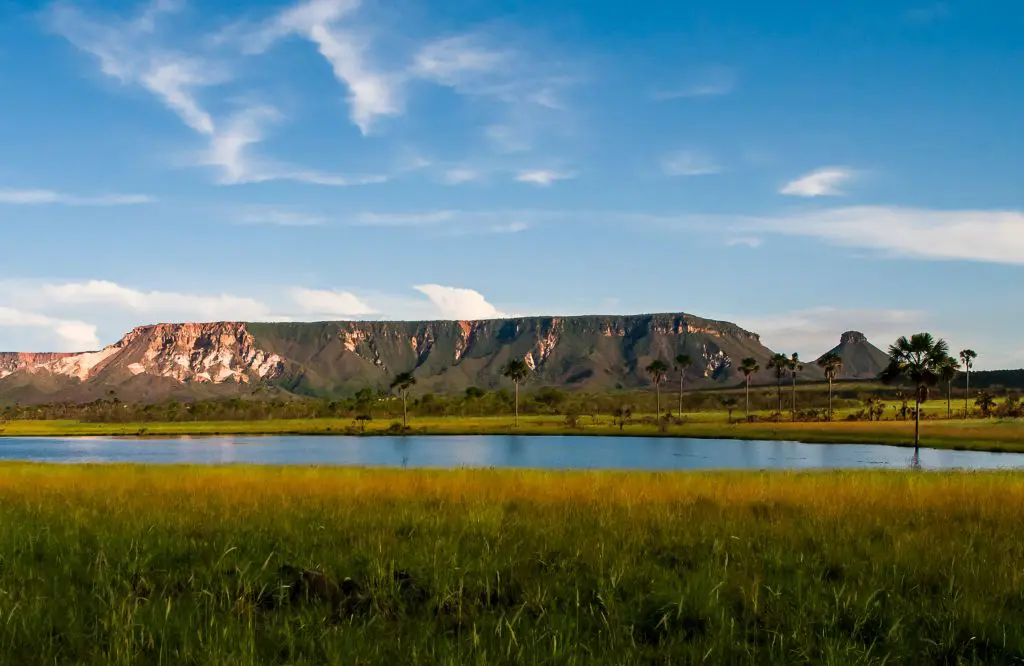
{"x":554,"y":452}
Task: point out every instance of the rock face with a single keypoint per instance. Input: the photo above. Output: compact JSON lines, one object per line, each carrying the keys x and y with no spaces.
{"x":861,"y":359}
{"x":337,"y":358}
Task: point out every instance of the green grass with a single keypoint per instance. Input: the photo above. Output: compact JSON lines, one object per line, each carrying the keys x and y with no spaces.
{"x":973,"y":434}
{"x":240,"y":565}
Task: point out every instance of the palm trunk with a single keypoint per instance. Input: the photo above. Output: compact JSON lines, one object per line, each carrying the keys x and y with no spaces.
{"x":405,"y":410}
{"x":793,"y":413}
{"x":681,"y":377}
{"x":517,"y":405}
{"x":967,"y":393}
{"x":830,"y":399}
{"x":748,"y":399}
{"x":657,"y":397}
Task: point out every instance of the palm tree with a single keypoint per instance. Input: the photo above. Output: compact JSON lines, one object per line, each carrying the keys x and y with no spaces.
{"x":795,"y":366}
{"x":657,"y":370}
{"x":780,"y":364}
{"x":683,"y":361}
{"x":517,"y":371}
{"x":748,"y":366}
{"x":919,"y":360}
{"x":947,"y":373}
{"x":985,"y":402}
{"x":967,"y":357}
{"x":402,"y":382}
{"x":832,"y":364}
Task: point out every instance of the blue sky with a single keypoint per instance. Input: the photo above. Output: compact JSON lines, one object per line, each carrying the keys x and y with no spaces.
{"x":799,"y":168}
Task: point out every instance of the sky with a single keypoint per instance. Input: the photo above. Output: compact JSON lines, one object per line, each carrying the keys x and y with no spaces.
{"x":799,"y":168}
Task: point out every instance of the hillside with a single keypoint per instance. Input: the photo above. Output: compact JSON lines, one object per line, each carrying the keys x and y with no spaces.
{"x":861,"y":359}
{"x":189,"y":361}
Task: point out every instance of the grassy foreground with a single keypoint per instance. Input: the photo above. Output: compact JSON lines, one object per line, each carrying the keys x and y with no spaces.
{"x":240,"y":565}
{"x":973,"y":434}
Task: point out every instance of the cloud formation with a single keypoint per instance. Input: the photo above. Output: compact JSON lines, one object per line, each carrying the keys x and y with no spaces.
{"x":330,"y":304}
{"x":825,"y":182}
{"x":459,"y":303}
{"x":689,"y":163}
{"x":709,"y":82}
{"x":542,"y":177}
{"x":73,"y":335}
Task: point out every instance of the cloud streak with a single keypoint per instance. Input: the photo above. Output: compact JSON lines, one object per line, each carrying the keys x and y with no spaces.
{"x":826,"y":182}
{"x":543,"y":177}
{"x":49,"y":197}
{"x":689,"y":163}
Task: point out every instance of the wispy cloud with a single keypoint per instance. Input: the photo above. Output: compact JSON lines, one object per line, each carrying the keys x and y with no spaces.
{"x":709,"y":82}
{"x":543,"y":177}
{"x":459,"y":303}
{"x":689,"y":163}
{"x":42,"y":197}
{"x":279,"y":217}
{"x":104,"y":292}
{"x":826,"y":182}
{"x":747,"y":241}
{"x":330,"y":304}
{"x":975,"y":235}
{"x":460,"y":175}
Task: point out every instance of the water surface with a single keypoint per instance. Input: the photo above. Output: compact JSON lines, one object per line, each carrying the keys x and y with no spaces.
{"x":541,"y":452}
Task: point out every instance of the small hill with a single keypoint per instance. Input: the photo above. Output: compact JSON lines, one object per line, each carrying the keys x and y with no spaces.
{"x":861,"y":359}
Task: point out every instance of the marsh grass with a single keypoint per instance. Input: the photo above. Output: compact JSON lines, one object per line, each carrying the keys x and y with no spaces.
{"x":238,"y":565}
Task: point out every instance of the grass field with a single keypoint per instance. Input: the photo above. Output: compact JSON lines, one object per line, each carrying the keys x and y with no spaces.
{"x":974,"y":434}
{"x":240,"y":565}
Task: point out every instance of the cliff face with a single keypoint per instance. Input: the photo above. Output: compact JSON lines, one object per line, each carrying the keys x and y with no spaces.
{"x":231,"y":358}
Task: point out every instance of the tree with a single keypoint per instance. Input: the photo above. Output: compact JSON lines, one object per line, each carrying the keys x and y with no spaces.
{"x":832,"y":364}
{"x":780,"y":364}
{"x":947,"y":373}
{"x":517,"y":371}
{"x":917,"y":359}
{"x":402,"y":382}
{"x":985,"y":402}
{"x":730,"y":404}
{"x":795,"y":366}
{"x":748,"y":366}
{"x":657,"y":370}
{"x":967,"y":357}
{"x":621,"y":415}
{"x":683,"y":361}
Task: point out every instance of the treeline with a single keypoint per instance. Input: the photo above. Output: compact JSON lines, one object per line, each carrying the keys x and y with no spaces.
{"x":861,"y":401}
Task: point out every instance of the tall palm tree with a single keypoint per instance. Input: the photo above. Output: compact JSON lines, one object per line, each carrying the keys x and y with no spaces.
{"x":917,"y":359}
{"x":795,"y":366}
{"x":780,"y":364}
{"x":683,"y":361}
{"x":832,"y":364}
{"x":517,"y":371}
{"x":947,"y":373}
{"x":402,"y":382}
{"x":967,"y":357}
{"x":657,"y":370}
{"x":748,"y":366}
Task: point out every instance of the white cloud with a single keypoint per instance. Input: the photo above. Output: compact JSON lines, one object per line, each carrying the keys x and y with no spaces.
{"x":748,"y":241}
{"x":459,"y":62}
{"x":418,"y":219}
{"x":330,"y":304}
{"x":978,"y":235}
{"x":279,"y":218}
{"x":128,"y":51}
{"x":709,"y":82}
{"x":814,"y":331}
{"x":73,"y":335}
{"x":459,"y":303}
{"x":40,"y":197}
{"x":183,"y":305}
{"x":542,"y":177}
{"x":460,"y":175}
{"x":689,"y":163}
{"x":826,"y":182}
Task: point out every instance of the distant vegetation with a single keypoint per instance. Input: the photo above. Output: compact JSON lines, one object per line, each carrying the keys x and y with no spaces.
{"x":122,"y":565}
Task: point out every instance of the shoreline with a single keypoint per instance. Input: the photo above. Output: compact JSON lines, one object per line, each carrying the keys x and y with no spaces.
{"x":975,"y":435}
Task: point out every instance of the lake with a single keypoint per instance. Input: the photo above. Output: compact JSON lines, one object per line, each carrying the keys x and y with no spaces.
{"x":540,"y":452}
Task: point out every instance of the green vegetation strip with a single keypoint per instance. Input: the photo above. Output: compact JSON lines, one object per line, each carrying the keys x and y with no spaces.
{"x":974,"y":434}
{"x":241,"y":565}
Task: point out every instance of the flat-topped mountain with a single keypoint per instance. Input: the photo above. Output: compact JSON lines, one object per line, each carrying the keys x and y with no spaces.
{"x":194,"y":360}
{"x":861,"y":359}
